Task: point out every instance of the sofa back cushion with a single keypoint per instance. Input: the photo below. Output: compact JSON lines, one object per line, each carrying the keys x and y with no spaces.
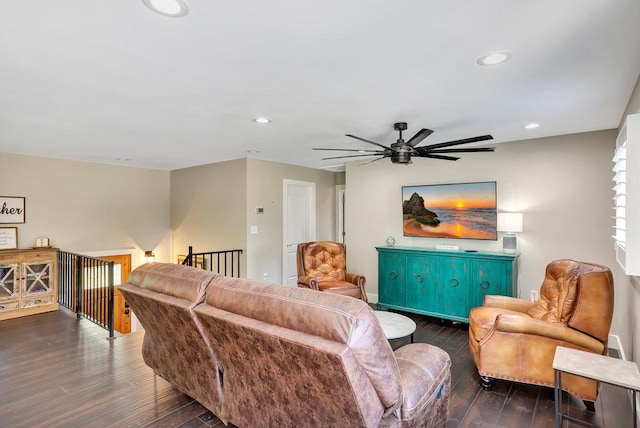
{"x":274,"y":376}
{"x":174,"y":280}
{"x":335,"y":318}
{"x":162,"y":297}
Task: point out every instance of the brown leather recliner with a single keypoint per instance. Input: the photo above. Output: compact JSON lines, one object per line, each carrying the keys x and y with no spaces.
{"x":516,"y":339}
{"x":322,"y":266}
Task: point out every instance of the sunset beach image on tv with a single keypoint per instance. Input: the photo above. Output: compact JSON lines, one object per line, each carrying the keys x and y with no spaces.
{"x":462,"y":211}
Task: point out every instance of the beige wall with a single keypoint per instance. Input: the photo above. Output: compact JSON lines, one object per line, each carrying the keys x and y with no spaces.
{"x":213,"y":208}
{"x":265,"y":189}
{"x":561,"y":184}
{"x":87,"y":207}
{"x":96,"y":209}
{"x":208,"y":206}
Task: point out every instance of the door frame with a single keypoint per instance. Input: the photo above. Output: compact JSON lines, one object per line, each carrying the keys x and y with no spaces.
{"x":310,"y":220}
{"x":340,"y":213}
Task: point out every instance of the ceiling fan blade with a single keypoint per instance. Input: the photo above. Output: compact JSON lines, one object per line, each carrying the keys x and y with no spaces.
{"x":367,"y":163}
{"x":354,"y":156}
{"x":367,"y":141}
{"x":350,"y":150}
{"x":420,"y":135}
{"x":467,"y":150}
{"x":429,"y":155}
{"x":457,"y":142}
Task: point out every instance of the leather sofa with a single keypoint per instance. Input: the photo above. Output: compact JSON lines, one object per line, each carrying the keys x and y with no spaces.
{"x":515,"y":339}
{"x":262,"y":355}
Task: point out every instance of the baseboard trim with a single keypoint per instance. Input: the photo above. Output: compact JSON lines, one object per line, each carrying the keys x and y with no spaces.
{"x":372,"y":298}
{"x":615,"y":343}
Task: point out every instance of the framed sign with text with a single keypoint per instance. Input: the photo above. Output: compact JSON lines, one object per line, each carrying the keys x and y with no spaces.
{"x":8,"y":238}
{"x":11,"y":209}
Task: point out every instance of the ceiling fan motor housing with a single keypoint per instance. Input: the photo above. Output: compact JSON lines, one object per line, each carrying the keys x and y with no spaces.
{"x":401,"y":156}
{"x":401,"y":152}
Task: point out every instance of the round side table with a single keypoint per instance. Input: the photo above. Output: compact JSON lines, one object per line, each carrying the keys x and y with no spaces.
{"x":395,"y":325}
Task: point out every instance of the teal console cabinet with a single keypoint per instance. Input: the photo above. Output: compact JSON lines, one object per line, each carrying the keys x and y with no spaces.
{"x":443,"y":284}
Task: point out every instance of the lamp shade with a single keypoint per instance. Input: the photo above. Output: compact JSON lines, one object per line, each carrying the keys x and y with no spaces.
{"x":510,"y":222}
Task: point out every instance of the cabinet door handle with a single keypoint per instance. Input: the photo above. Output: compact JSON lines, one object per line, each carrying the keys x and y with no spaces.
{"x":484,"y":285}
{"x":454,"y":282}
{"x":419,"y":277}
{"x":393,"y":275}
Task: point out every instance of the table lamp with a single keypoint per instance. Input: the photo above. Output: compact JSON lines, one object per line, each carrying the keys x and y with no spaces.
{"x":510,"y":223}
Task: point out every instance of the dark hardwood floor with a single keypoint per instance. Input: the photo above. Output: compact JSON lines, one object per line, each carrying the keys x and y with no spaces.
{"x":56,"y":371}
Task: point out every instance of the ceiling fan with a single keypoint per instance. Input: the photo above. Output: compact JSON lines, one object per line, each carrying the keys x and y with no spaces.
{"x":401,"y":151}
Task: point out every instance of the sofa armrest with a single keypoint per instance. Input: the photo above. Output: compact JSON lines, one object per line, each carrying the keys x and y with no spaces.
{"x":358,"y":280}
{"x":425,"y":372}
{"x":355,"y":278}
{"x":308,"y":281}
{"x":524,"y":324}
{"x":506,"y":302}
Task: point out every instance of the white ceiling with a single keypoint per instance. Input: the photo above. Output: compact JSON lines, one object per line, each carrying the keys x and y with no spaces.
{"x":102,"y":80}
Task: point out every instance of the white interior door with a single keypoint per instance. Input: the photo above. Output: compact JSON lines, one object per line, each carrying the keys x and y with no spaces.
{"x":299,"y":216}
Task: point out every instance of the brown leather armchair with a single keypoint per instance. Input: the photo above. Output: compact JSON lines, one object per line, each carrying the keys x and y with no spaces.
{"x":322,"y":266}
{"x":516,"y":339}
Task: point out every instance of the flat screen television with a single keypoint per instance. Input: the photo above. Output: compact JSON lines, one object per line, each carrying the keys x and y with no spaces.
{"x":457,"y":210}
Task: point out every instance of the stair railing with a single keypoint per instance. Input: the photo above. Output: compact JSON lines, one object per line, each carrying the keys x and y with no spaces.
{"x":85,"y":286}
{"x":225,"y":262}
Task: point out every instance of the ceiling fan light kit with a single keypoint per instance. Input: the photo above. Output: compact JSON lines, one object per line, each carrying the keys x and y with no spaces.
{"x":401,"y":152}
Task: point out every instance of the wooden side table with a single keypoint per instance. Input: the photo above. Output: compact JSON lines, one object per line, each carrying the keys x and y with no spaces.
{"x":597,"y":367}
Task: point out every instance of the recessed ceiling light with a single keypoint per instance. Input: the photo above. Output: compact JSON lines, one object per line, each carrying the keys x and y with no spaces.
{"x":262,"y":120}
{"x":171,"y":8}
{"x":531,"y":125}
{"x":494,"y":58}
{"x":253,"y":151}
